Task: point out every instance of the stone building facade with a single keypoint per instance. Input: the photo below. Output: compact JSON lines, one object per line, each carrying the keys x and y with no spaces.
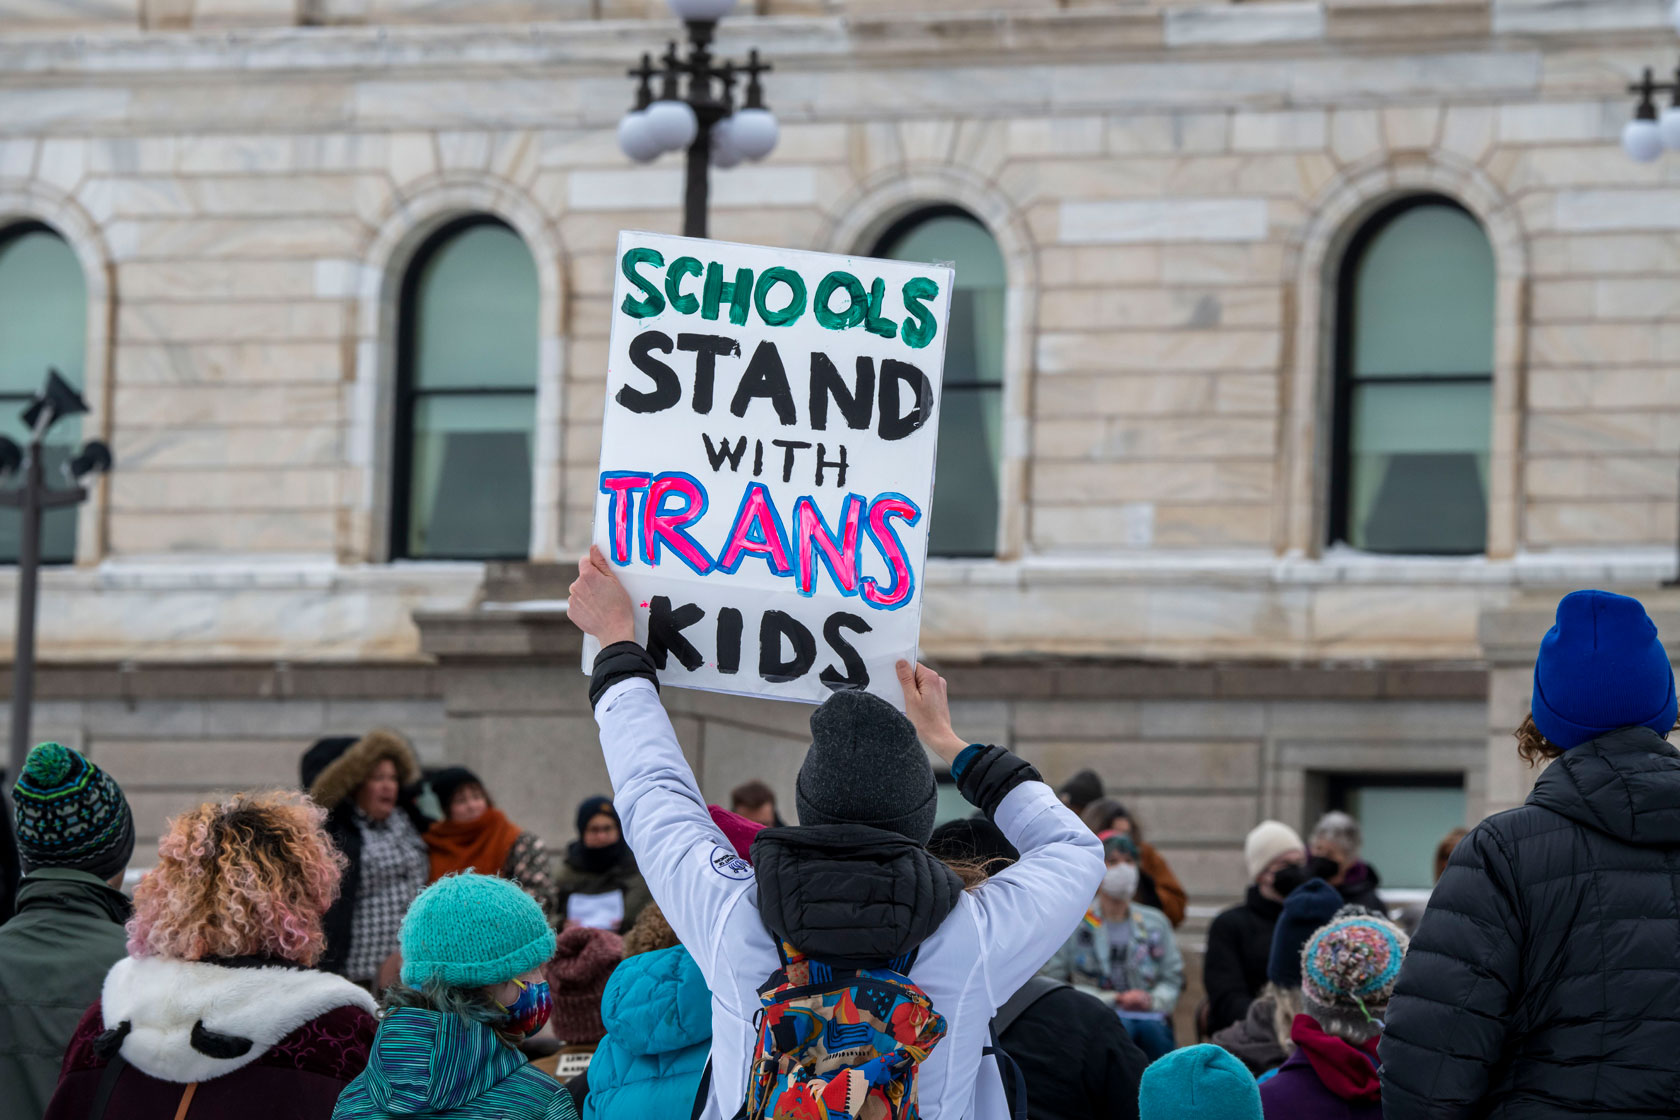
{"x":1174,"y":191}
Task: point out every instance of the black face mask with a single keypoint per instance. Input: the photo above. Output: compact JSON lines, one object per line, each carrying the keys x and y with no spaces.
{"x":1322,"y":867}
{"x":1285,"y":880}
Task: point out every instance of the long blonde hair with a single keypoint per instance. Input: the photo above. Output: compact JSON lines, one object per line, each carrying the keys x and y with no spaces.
{"x":1286,"y":1004}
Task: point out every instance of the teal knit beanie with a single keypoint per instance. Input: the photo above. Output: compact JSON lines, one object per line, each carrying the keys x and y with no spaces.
{"x":472,"y":931}
{"x":1198,"y":1083}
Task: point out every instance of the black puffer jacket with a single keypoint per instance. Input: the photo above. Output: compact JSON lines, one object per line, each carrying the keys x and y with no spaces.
{"x":1239,"y":945}
{"x":1544,"y":980}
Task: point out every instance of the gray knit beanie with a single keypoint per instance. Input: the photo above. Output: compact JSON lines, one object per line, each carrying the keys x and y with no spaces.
{"x":866,"y":766}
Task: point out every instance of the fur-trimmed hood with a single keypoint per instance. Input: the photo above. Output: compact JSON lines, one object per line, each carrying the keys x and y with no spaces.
{"x":334,"y":768}
{"x":183,"y":1021}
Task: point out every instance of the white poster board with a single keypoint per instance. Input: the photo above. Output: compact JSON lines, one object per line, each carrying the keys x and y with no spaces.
{"x":767,"y":461}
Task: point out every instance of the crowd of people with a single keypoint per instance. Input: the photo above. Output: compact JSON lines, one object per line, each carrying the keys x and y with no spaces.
{"x":385,"y":941}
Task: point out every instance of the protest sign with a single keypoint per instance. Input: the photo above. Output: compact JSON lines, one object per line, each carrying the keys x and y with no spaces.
{"x":767,"y":461}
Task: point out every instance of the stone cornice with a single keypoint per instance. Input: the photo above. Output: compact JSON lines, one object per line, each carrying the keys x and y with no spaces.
{"x":1125,"y":33}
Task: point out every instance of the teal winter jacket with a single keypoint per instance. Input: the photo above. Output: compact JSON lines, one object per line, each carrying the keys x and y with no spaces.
{"x":440,"y":1066}
{"x":658,"y":1016}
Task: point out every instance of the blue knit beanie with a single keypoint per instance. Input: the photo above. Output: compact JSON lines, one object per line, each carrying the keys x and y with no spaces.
{"x":472,"y":931}
{"x":1308,"y":907}
{"x":1198,"y":1083}
{"x":1600,"y":668}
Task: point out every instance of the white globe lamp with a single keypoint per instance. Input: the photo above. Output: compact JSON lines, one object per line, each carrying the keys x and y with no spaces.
{"x":1668,"y":126}
{"x":701,"y":11}
{"x":754,"y":132}
{"x":672,"y":124}
{"x":724,"y":152}
{"x":1642,"y":140}
{"x":636,"y":138}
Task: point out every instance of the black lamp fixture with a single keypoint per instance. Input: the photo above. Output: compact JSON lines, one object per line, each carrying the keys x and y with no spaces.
{"x":702,"y":118}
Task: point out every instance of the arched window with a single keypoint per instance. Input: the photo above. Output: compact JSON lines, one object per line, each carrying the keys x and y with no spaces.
{"x":965,"y":494}
{"x":1414,"y":376}
{"x":43,"y":325}
{"x":466,"y":396}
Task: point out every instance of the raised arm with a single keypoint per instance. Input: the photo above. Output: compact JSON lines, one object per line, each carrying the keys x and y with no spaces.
{"x":689,"y":866}
{"x":1027,"y":911}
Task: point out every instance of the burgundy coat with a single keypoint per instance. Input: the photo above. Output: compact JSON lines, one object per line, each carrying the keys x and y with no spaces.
{"x":1327,"y":1078}
{"x":258,"y":1043}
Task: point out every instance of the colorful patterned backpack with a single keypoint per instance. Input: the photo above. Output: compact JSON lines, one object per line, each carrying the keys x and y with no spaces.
{"x":838,"y":1044}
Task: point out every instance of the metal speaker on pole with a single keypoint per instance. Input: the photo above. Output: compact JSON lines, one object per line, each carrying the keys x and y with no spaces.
{"x":95,"y":457}
{"x":56,"y":400}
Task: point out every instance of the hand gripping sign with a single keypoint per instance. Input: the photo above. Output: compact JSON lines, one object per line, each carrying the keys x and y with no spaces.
{"x":767,"y":461}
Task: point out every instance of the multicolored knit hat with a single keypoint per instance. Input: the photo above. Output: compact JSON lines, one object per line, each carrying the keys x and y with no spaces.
{"x":1349,"y":967}
{"x":70,"y":813}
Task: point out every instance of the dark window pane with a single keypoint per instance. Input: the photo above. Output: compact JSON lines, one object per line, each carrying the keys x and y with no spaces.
{"x":1402,"y":825}
{"x":1414,"y":383}
{"x":43,"y":324}
{"x":471,"y":494}
{"x":476,"y":311}
{"x":965,"y":504}
{"x":1418,"y":466}
{"x":470,"y":336}
{"x":965,"y":495}
{"x":1425,"y":297}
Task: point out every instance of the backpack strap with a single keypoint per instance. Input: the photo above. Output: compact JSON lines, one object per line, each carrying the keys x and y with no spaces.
{"x":107,"y":1082}
{"x":1014,"y":1081}
{"x":705,"y":1090}
{"x":823,"y":974}
{"x":1016,"y":1005}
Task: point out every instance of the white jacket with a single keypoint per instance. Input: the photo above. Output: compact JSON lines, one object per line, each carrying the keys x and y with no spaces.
{"x":993,"y":942}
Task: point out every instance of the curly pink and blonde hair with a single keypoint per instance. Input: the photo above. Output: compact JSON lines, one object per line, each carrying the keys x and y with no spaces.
{"x":246,"y":877}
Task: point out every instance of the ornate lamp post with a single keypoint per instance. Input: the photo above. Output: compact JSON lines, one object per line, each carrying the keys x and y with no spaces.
{"x":55,"y":401}
{"x":1649,"y":133}
{"x":34,"y":497}
{"x":695,"y":109}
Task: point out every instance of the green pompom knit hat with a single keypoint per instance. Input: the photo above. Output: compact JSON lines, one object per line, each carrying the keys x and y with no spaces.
{"x":472,"y":931}
{"x":71,"y":814}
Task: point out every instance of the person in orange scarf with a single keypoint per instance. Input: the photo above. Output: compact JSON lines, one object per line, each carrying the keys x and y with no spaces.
{"x":474,"y":834}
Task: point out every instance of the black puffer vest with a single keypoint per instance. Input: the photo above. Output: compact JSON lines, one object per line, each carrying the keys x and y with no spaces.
{"x":850,"y":895}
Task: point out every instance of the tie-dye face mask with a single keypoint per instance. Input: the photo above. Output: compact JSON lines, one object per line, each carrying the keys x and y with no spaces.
{"x":530,"y":1011}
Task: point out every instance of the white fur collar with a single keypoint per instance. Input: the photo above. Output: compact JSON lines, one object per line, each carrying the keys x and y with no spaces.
{"x":162,"y":1001}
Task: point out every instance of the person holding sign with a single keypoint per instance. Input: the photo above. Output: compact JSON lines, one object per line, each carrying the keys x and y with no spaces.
{"x":767,"y":460}
{"x":852,"y":887}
